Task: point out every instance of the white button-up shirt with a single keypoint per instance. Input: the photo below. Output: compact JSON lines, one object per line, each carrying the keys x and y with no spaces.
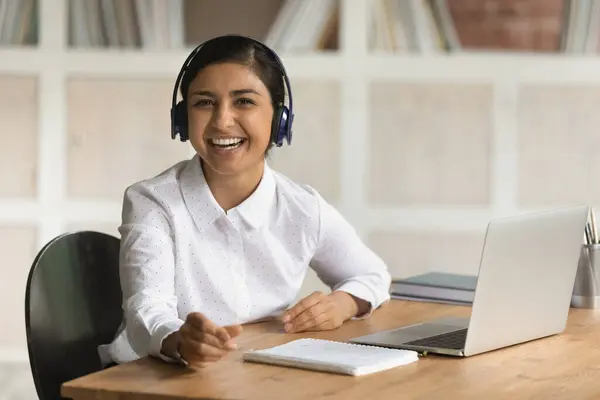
{"x":181,"y":253}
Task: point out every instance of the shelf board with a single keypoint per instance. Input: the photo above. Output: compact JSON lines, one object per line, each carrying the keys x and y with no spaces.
{"x":144,"y":63}
{"x":31,"y":211}
{"x":486,"y":67}
{"x":468,"y":67}
{"x":21,"y":60}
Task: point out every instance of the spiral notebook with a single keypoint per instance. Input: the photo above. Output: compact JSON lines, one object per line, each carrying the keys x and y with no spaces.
{"x":330,"y":356}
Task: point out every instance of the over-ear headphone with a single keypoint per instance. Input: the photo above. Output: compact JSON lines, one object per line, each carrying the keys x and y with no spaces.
{"x":281,"y":127}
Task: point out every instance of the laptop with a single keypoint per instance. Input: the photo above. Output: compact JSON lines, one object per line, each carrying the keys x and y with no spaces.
{"x":524,"y":286}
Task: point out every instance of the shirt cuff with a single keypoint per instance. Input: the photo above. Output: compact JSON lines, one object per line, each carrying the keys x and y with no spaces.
{"x":160,"y":335}
{"x":363,"y":292}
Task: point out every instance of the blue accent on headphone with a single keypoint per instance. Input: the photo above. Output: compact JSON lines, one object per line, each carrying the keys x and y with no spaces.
{"x":281,"y":127}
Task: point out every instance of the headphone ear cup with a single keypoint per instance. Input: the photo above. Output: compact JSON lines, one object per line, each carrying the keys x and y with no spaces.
{"x":279,"y":129}
{"x":180,"y":121}
{"x":285,"y":127}
{"x":276,"y":126}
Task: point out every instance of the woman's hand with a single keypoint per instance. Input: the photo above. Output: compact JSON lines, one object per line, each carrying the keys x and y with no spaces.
{"x":200,"y":342}
{"x":319,"y":312}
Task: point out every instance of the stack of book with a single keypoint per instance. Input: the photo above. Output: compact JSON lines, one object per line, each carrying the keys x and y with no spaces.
{"x":437,"y":287}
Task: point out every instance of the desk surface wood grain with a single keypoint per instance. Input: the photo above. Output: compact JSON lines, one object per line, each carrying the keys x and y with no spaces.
{"x":565,"y":366}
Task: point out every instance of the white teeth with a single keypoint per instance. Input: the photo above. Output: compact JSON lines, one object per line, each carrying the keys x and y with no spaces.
{"x":227,"y":141}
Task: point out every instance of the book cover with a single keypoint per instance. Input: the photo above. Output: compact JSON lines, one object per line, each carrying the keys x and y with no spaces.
{"x":436,"y":286}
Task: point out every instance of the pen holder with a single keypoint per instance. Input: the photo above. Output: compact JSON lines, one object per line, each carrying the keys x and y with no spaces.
{"x":586,"y":291}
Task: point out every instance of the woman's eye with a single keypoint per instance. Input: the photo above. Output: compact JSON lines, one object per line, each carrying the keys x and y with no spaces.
{"x":245,"y":101}
{"x":203,"y":103}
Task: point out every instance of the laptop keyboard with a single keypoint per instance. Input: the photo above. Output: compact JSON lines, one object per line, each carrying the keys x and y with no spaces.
{"x":452,"y":340}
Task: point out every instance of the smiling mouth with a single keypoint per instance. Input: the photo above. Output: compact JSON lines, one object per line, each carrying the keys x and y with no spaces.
{"x":227,"y":143}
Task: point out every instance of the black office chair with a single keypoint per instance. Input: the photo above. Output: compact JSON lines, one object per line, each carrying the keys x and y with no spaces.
{"x":72,"y":305}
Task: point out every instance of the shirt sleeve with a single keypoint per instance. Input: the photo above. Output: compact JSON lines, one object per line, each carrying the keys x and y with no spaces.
{"x":147,"y":273}
{"x":343,"y":262}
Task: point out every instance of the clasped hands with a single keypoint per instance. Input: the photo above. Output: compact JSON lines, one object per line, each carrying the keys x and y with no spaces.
{"x":200,"y":342}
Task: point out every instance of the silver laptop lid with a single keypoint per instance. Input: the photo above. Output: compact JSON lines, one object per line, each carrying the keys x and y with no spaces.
{"x":526,"y":278}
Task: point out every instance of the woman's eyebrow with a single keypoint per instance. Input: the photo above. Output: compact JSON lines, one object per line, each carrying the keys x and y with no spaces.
{"x":244,"y":91}
{"x":236,"y":92}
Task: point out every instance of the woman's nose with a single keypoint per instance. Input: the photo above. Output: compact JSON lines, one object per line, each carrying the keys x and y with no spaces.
{"x":223,"y":117}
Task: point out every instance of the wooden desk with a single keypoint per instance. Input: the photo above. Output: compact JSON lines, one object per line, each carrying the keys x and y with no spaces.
{"x":565,"y":366}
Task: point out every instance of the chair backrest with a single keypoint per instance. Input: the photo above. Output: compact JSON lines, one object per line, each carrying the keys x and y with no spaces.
{"x":72,"y":305}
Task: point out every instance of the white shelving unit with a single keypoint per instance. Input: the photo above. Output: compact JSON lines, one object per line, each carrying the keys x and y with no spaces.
{"x":353,"y":66}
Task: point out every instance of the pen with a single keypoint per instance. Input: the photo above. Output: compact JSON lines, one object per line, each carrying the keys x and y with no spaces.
{"x":587,"y":238}
{"x":593,"y":227}
{"x":588,"y":233}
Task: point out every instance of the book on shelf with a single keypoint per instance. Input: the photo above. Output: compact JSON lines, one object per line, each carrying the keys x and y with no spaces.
{"x":18,"y":22}
{"x":433,"y":26}
{"x":304,"y":25}
{"x":403,"y":26}
{"x":297,"y":25}
{"x":149,"y":24}
{"x":437,"y":287}
{"x":581,"y":27}
{"x":411,"y":26}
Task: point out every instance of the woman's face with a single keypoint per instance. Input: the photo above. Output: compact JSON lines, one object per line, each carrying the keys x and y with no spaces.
{"x":229,"y":117}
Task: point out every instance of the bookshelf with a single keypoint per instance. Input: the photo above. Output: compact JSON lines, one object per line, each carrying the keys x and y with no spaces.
{"x":403,"y":173}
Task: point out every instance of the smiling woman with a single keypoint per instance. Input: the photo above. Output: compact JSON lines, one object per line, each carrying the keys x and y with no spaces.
{"x":231,"y":91}
{"x":221,"y":240}
{"x":233,"y":79}
{"x":229,"y":119}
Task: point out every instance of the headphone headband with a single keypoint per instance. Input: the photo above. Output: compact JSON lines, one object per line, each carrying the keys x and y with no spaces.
{"x":285,"y":115}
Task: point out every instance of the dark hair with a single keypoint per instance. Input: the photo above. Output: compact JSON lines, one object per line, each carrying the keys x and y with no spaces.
{"x":243,"y":51}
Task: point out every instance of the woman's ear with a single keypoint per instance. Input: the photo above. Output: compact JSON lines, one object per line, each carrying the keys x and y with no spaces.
{"x":268,"y":150}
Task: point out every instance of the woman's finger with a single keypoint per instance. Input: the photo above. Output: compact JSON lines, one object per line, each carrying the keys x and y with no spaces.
{"x":306,"y":319}
{"x":325,"y":325}
{"x":303,"y":305}
{"x":315,"y":323}
{"x":196,"y":336}
{"x":202,"y":323}
{"x":233,"y":330}
{"x":205,"y":350}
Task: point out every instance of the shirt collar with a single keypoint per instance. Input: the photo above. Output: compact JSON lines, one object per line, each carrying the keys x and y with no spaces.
{"x":255,"y":209}
{"x":204,"y":208}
